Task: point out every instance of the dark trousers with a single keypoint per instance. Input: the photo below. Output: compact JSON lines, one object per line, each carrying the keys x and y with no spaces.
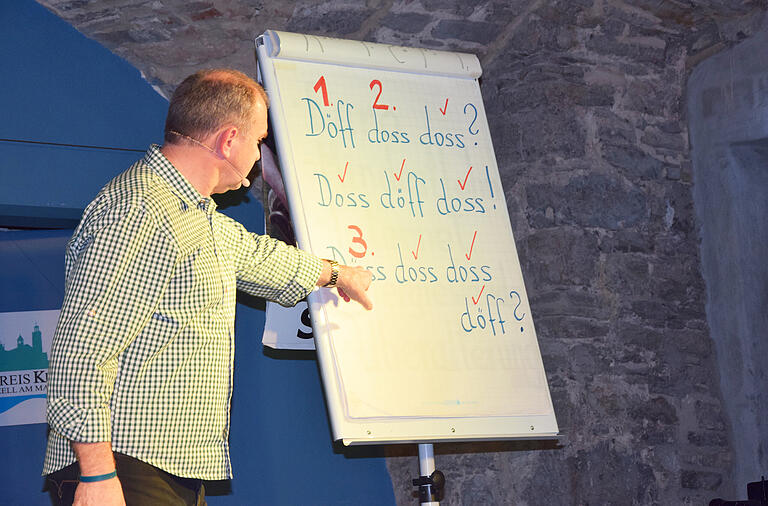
{"x":142,"y":484}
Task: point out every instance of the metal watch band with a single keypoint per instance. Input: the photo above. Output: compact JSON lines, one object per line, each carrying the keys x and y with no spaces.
{"x":334,"y":273}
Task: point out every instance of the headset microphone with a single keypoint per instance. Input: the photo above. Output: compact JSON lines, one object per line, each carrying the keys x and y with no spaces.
{"x":244,"y":180}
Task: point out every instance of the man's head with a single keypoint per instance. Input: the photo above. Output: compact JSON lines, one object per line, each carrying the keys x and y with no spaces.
{"x":225,"y":112}
{"x":208,"y":100}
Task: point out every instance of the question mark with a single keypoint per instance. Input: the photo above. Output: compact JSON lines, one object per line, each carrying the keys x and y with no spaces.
{"x":473,"y":119}
{"x":519,"y":301}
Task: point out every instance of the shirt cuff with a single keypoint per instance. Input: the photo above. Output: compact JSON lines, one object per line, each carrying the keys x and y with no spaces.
{"x":77,"y":424}
{"x":310,"y":269}
{"x":307,"y":272}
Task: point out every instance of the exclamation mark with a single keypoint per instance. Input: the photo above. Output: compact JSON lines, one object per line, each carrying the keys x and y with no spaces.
{"x":488,"y":176}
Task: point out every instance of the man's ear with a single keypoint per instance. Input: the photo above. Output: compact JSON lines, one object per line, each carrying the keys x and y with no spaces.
{"x":225,"y":139}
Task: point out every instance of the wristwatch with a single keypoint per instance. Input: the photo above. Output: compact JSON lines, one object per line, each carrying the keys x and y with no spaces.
{"x":334,"y":273}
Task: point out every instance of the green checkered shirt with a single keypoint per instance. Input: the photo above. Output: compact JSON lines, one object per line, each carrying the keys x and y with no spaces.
{"x":143,"y":352}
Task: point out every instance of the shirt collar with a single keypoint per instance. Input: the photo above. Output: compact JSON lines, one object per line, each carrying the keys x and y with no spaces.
{"x":160,"y":164}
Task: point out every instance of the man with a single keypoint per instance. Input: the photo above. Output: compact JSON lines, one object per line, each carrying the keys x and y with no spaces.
{"x":140,"y":378}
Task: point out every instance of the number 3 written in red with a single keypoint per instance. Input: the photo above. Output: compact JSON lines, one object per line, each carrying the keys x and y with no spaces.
{"x":358,"y":240}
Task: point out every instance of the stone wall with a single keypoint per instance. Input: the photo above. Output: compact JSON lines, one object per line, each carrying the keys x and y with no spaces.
{"x":585,"y":103}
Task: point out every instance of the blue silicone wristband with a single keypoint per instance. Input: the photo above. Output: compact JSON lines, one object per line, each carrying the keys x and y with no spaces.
{"x":99,"y":477}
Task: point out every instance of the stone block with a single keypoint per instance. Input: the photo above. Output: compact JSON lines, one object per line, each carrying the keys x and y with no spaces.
{"x":652,"y":96}
{"x":653,"y":435}
{"x":621,"y":477}
{"x":538,"y":133}
{"x":338,"y":22}
{"x":613,"y":131}
{"x":633,"y":162}
{"x":593,"y":200}
{"x":656,"y":410}
{"x":613,"y":27}
{"x":612,"y":46}
{"x":561,"y":257}
{"x":535,"y":35}
{"x":96,"y":18}
{"x":555,"y":355}
{"x":116,"y":37}
{"x":710,"y":416}
{"x":695,"y":479}
{"x":642,"y":16}
{"x":659,"y":139}
{"x":678,"y":197}
{"x":530,"y":95}
{"x":627,"y":273}
{"x":569,"y":302}
{"x":570,"y":327}
{"x":479,"y":490}
{"x":668,"y":243}
{"x":471,"y":31}
{"x":708,"y":438}
{"x":462,"y":9}
{"x":712,"y":458}
{"x":653,"y":313}
{"x":642,"y":336}
{"x":563,"y":408}
{"x":627,"y":240}
{"x":673,"y":279}
{"x":673,"y":173}
{"x":675,"y":374}
{"x":408,"y":22}
{"x":200,"y":11}
{"x":692,"y":343}
{"x":69,"y":5}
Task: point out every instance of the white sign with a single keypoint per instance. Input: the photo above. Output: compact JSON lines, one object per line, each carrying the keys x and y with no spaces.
{"x":25,"y":341}
{"x":288,"y":328}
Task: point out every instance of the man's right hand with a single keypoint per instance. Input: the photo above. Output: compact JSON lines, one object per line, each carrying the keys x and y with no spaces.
{"x":353,"y":284}
{"x":107,"y":493}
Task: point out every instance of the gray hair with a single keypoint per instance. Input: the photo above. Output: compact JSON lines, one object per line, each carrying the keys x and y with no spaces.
{"x":210,"y":99}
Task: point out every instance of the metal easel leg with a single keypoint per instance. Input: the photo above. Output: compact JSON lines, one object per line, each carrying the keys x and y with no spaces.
{"x":431,"y":483}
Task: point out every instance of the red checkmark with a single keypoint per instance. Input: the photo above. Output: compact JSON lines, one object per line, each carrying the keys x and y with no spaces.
{"x":397,"y":176}
{"x":341,"y":178}
{"x":478,"y":296}
{"x":416,"y":253}
{"x":469,"y":255}
{"x":444,"y":108}
{"x":465,"y":178}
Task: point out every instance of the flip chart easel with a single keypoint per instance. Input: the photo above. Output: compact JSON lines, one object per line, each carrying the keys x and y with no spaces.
{"x":388,"y":164}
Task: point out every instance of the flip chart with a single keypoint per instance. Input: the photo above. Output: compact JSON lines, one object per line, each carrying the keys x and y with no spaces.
{"x":388,"y":164}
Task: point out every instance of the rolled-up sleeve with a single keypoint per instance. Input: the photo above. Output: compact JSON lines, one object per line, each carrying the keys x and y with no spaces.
{"x":118,"y":265}
{"x":269,"y":268}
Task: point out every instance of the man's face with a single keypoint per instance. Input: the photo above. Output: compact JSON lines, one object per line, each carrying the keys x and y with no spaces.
{"x":258,"y":132}
{"x":248,"y":152}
